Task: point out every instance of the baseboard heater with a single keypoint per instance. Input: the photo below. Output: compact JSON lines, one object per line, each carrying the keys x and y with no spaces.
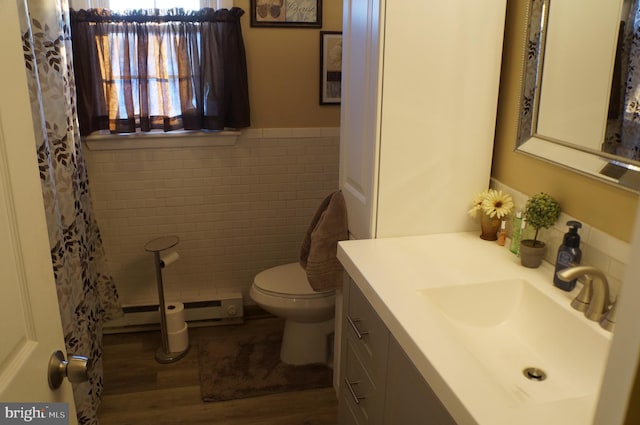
{"x":140,"y":317}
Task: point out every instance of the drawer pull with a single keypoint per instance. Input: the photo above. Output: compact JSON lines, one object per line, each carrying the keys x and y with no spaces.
{"x":358,"y":332}
{"x":356,"y":397}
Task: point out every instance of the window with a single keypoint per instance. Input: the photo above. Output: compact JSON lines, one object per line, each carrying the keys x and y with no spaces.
{"x":159,"y":69}
{"x":122,"y":5}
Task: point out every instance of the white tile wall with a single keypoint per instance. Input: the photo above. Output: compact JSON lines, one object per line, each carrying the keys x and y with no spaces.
{"x":237,"y":209}
{"x":599,"y":249}
{"x":240,"y":209}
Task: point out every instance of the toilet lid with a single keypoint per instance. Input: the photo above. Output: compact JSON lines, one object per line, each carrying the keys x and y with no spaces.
{"x":288,"y":279}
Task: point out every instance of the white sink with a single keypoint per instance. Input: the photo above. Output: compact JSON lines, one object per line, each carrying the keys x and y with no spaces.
{"x":512,"y":325}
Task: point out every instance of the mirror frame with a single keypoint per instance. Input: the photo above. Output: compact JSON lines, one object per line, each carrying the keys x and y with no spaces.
{"x":612,"y":169}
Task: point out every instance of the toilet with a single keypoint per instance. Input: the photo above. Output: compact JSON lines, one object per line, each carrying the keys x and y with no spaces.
{"x":284,"y":291}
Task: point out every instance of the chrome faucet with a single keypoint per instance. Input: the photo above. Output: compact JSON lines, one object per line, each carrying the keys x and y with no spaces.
{"x":593,"y":299}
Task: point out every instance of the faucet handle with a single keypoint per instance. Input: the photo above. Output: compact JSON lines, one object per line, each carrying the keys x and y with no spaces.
{"x":597,"y":295}
{"x":608,"y":320}
{"x":583,"y":299}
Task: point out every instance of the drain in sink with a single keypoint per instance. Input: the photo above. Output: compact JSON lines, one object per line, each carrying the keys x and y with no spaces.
{"x":534,"y":374}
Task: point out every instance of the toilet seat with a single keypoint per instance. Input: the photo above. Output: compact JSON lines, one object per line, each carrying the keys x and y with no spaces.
{"x":287,"y":281}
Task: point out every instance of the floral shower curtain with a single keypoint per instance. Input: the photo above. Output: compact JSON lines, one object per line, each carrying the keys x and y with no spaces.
{"x":623,"y":128}
{"x":86,"y":293}
{"x":629,"y":146}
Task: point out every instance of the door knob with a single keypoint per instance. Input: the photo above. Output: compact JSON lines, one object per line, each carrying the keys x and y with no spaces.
{"x":76,"y":369}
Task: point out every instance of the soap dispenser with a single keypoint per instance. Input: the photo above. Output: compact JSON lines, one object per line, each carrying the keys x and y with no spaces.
{"x":569,"y":255}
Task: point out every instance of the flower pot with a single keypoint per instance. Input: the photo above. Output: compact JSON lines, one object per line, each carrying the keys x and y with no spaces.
{"x":489,"y":227}
{"x":531,"y":253}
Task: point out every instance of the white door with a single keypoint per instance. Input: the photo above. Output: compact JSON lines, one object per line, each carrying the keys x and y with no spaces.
{"x":30,"y":327}
{"x":359,"y":120}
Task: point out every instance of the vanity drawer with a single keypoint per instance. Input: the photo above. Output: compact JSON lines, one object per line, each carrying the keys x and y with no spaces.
{"x":379,"y":384}
{"x":346,"y":414}
{"x":366,"y":330}
{"x":409,"y":398}
{"x":362,"y":400}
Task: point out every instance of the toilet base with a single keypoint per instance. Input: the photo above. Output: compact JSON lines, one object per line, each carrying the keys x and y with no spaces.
{"x":305,"y":343}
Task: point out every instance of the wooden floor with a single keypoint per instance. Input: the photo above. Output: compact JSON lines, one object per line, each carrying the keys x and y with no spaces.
{"x":138,"y":390}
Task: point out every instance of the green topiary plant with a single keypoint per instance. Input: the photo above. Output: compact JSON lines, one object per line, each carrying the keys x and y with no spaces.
{"x":541,"y":211}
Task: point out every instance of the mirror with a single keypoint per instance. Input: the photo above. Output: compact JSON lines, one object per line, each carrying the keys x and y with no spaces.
{"x":567,"y":85}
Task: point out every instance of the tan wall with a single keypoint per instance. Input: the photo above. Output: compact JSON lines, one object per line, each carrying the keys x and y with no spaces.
{"x":601,"y":205}
{"x":284,"y":66}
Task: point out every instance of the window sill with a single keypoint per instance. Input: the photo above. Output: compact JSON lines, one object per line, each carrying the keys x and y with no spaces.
{"x":160,"y":139}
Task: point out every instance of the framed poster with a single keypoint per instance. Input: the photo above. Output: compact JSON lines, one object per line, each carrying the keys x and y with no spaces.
{"x":330,"y":67}
{"x":286,"y":13}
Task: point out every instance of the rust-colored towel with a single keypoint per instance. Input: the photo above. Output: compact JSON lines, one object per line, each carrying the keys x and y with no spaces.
{"x":320,"y":245}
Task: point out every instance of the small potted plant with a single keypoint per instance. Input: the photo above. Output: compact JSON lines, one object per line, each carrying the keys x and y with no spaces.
{"x":494,"y":206}
{"x":541,"y":211}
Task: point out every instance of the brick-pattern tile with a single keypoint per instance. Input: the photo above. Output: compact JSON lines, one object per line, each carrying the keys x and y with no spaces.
{"x":236,"y":209}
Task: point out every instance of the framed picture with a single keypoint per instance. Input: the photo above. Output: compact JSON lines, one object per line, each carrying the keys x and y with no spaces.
{"x":330,"y":67}
{"x":286,"y":13}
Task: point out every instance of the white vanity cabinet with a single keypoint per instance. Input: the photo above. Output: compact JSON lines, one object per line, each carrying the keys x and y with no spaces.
{"x":380,"y":385}
{"x":419,"y":98}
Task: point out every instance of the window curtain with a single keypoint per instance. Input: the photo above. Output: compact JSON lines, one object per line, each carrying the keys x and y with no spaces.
{"x":86,"y":292}
{"x":151,"y":69}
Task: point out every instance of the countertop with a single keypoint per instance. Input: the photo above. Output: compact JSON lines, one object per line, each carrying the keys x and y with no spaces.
{"x":391,"y":271}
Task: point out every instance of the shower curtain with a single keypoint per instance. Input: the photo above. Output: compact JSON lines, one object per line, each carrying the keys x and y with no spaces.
{"x":86,"y":292}
{"x":629,"y":146}
{"x":623,"y":127}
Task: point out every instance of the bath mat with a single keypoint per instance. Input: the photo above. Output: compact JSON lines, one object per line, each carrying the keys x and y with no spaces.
{"x":232,"y":368}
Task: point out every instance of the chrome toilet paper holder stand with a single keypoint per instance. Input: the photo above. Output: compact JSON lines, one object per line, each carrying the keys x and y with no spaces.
{"x":156,"y":246}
